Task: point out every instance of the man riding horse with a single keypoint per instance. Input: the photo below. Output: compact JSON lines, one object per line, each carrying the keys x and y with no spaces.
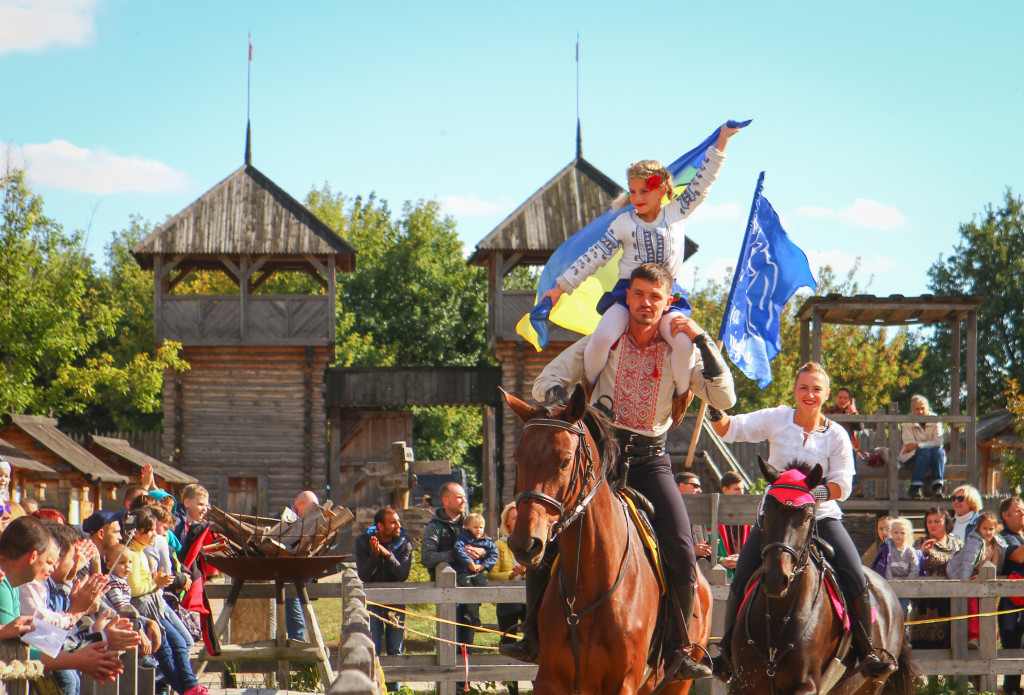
{"x":636,"y":387}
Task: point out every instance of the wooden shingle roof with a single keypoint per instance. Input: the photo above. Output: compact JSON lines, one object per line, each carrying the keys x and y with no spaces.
{"x":576,"y":195}
{"x":43,"y":430}
{"x":123,"y":450}
{"x":894,"y":310}
{"x":246,"y":214}
{"x":20,"y":460}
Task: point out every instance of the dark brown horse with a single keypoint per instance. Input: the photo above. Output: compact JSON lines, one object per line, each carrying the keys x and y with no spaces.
{"x":602,"y":583}
{"x":787,"y":633}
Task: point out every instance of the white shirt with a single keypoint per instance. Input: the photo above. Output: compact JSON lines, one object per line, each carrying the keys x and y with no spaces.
{"x":828,"y":445}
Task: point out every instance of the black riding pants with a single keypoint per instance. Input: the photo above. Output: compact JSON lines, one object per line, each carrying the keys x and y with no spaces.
{"x":651,"y":476}
{"x":847,"y":563}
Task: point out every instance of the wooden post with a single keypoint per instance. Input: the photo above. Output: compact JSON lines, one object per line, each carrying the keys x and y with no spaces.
{"x":445,"y":578}
{"x":895,"y":444}
{"x":805,"y":340}
{"x":816,"y":342}
{"x":401,"y":455}
{"x":972,"y":398}
{"x":492,"y":503}
{"x":987,"y":627}
{"x":284,"y":679}
{"x":954,"y":390}
{"x":719,"y":577}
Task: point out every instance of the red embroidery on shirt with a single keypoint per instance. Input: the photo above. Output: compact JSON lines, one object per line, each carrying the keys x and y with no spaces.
{"x":637,"y":381}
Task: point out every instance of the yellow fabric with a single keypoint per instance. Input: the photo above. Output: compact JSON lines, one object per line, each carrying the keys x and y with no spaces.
{"x":649,"y":541}
{"x":502,"y":569}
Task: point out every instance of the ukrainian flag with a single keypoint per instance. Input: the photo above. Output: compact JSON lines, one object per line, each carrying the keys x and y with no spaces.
{"x":577,"y":311}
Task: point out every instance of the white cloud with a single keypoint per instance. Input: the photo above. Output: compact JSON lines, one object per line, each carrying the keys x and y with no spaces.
{"x":863,"y":212}
{"x":462,"y":206}
{"x":707,"y":212}
{"x":59,"y":164}
{"x":843,"y":262}
{"x":814,"y":212}
{"x":871,"y":213}
{"x":37,"y":25}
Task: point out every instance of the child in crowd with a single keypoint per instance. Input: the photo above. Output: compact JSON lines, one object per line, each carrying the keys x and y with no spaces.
{"x":146,"y":589}
{"x":897,"y":558}
{"x":882,"y":528}
{"x":983,"y":544}
{"x":470,"y":572}
{"x":649,"y":233}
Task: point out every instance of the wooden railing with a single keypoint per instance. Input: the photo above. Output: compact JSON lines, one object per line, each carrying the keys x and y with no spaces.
{"x":17,"y":670}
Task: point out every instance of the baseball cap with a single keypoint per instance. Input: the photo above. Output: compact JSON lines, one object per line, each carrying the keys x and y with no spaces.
{"x":101,"y":518}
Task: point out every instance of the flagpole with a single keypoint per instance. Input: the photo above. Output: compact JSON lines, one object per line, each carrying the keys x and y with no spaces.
{"x":692,"y":449}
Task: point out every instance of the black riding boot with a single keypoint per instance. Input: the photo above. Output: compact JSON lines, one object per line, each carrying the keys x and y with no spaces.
{"x":871,"y":666}
{"x":528,"y":648}
{"x":677,"y":638}
{"x":721,"y":665}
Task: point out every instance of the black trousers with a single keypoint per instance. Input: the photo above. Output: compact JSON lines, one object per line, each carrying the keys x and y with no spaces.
{"x":652,"y":477}
{"x":847,"y":563}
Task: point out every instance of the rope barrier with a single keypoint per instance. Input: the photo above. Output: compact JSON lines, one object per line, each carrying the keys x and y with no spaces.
{"x":394,"y":621}
{"x":434,"y":618}
{"x":962,"y":617}
{"x":17,"y":670}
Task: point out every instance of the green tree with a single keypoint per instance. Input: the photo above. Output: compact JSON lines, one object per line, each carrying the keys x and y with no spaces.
{"x":52,"y":315}
{"x":413,"y":301}
{"x":864,"y":359}
{"x":987,"y":262}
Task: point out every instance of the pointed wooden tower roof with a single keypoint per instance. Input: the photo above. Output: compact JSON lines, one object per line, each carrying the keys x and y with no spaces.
{"x":246,"y":214}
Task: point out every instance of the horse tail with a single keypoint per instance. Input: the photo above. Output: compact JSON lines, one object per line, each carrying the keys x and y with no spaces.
{"x":902,"y":682}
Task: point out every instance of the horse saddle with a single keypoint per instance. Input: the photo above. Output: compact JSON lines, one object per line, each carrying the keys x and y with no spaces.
{"x":640,"y":510}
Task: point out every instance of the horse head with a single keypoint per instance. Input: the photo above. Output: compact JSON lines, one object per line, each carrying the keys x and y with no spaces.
{"x":787,"y":523}
{"x":551,"y":471}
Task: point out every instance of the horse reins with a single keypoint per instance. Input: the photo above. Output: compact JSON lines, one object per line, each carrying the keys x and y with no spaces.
{"x":566,"y":517}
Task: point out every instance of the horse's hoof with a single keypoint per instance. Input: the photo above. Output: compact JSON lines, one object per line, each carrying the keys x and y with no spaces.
{"x":521,"y":650}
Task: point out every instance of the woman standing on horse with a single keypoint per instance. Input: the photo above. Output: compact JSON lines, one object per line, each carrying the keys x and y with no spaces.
{"x":804,"y":434}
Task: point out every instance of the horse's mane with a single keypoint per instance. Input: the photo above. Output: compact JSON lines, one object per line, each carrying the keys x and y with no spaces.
{"x":802,"y":466}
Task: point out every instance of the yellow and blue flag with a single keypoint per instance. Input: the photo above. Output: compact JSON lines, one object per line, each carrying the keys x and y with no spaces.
{"x":578,"y":311}
{"x":768,"y":273}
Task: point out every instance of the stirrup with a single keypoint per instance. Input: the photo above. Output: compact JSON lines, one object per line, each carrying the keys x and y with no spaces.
{"x":874,"y":668}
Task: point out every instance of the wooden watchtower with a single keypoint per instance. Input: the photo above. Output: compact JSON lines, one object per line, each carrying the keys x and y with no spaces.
{"x":248,"y":419}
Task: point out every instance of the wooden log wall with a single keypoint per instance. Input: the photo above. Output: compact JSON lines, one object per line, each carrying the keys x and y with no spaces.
{"x":249,"y":412}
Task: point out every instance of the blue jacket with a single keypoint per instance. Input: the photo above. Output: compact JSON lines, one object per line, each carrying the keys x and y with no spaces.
{"x":462,"y":558}
{"x":376,"y":568}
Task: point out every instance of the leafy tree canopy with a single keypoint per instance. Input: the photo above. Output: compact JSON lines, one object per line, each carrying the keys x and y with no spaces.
{"x":59,"y":346}
{"x":987,"y":262}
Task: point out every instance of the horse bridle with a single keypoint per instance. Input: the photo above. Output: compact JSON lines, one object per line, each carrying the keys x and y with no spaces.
{"x":567,"y":513}
{"x":802,"y":557}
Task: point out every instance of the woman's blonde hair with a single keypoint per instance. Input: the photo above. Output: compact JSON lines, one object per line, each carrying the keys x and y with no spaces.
{"x":504,"y":517}
{"x":812,"y":368}
{"x":971,"y":495}
{"x":917,"y":398}
{"x":642,"y":170}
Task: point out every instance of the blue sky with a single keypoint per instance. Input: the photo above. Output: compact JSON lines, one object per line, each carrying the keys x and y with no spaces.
{"x":882,"y":126}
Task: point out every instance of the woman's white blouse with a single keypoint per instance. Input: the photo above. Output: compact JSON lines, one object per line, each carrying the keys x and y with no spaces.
{"x":828,"y":445}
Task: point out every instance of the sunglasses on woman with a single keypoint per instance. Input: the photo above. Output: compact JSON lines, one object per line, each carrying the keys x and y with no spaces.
{"x":958,"y":498}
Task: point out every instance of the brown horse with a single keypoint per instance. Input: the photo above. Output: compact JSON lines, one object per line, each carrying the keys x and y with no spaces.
{"x":603,"y":594}
{"x":787,"y":633}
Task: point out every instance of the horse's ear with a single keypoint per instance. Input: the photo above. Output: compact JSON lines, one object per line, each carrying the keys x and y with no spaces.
{"x":524,"y":410}
{"x":769,"y":472}
{"x":813,"y":478}
{"x":577,"y":406}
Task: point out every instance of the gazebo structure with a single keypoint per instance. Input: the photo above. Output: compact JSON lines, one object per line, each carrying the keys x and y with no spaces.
{"x":248,"y":418}
{"x":897,"y":310}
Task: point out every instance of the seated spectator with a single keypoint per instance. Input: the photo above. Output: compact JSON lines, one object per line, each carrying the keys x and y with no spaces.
{"x":1011,"y":622}
{"x":882,"y":530}
{"x":505,"y":569}
{"x":731,"y":537}
{"x":104,"y":530}
{"x":27,"y":553}
{"x":922,"y":450}
{"x":897,"y":558}
{"x":384,"y":554}
{"x":966,"y":510}
{"x":845,"y":405}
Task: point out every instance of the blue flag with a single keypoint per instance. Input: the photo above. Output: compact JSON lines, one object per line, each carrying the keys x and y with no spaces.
{"x":770,"y":270}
